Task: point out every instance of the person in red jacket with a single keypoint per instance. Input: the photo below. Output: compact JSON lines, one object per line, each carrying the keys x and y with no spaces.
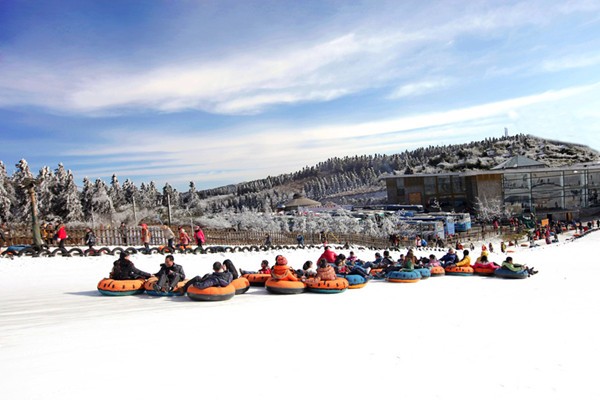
{"x":199,"y":237}
{"x":184,"y":238}
{"x":61,"y":235}
{"x":328,"y":255}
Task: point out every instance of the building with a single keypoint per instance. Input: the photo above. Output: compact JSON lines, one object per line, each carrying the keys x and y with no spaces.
{"x":519,"y":185}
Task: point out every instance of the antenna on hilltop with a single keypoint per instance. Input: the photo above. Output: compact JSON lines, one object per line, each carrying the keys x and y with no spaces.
{"x":505,"y":132}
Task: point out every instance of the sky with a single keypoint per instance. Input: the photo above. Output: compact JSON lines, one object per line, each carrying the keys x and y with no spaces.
{"x":222,"y":92}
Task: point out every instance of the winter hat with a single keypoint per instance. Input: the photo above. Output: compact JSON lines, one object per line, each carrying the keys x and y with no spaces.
{"x":485,"y":253}
{"x":280,"y":260}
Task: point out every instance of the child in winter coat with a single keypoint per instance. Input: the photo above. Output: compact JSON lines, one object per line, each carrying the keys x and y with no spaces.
{"x":281,"y":271}
{"x":90,"y":238}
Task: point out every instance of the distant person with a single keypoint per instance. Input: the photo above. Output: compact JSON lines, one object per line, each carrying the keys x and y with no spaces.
{"x":184,"y":238}
{"x":199,"y":237}
{"x":61,"y":235}
{"x":509,"y":265}
{"x":300,"y":239}
{"x":145,"y":237}
{"x":123,"y":234}
{"x":90,"y":238}
{"x":169,"y":235}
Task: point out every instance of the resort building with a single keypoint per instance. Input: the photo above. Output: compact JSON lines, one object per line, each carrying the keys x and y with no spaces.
{"x":520,"y":185}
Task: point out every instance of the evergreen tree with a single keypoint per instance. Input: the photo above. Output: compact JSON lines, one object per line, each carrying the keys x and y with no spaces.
{"x":116,"y":193}
{"x":5,"y":198}
{"x":101,"y":204}
{"x":71,"y":201}
{"x":22,"y":207}
{"x":45,"y":194}
{"x":87,"y":195}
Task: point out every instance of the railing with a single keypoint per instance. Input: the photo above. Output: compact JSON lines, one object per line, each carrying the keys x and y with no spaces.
{"x":113,"y":237}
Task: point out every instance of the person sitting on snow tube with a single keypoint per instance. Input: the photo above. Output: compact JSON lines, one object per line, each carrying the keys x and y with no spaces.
{"x":449,"y":258}
{"x":410,"y":261}
{"x":433,"y":262}
{"x":229,"y":267}
{"x":510,"y":266}
{"x":464,"y":262}
{"x":169,"y":276}
{"x":325,"y":272}
{"x":220,"y":277}
{"x":341,"y":268}
{"x":328,"y":255}
{"x":124,"y":270}
{"x":307,"y":270}
{"x":281,"y":271}
{"x":264,"y":269}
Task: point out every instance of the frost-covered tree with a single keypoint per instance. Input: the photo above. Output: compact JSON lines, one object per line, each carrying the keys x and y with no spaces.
{"x":45,"y":193}
{"x":87,"y":195}
{"x":116,"y":193}
{"x":170,"y":194}
{"x":72,"y":211}
{"x":5,"y":198}
{"x":101,"y":204}
{"x":22,"y":207}
{"x":192,"y":201}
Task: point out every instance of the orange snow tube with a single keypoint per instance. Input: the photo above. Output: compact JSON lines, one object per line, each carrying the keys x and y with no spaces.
{"x":111,"y":287}
{"x":257,"y":279}
{"x":241,"y":285}
{"x":284,"y":287}
{"x":335,"y":286}
{"x":460,"y":271}
{"x":177,"y":291}
{"x":437,"y":271}
{"x":213,"y":293}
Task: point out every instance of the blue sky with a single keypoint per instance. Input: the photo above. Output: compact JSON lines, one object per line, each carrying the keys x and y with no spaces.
{"x":221,"y":92}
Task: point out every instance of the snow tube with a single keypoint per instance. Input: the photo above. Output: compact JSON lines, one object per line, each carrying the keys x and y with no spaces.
{"x":404,"y":276}
{"x":425,"y":272}
{"x":241,"y":285}
{"x":437,"y":271}
{"x":337,"y":285}
{"x":111,"y":287}
{"x":508,"y":274}
{"x":213,"y":293}
{"x":149,"y":287}
{"x":484,"y":269}
{"x":459,"y":271}
{"x":257,"y":279}
{"x":355,"y":281}
{"x":374,"y":271}
{"x":284,"y":287}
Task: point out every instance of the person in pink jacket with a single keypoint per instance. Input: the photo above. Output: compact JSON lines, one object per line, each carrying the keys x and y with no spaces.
{"x":199,"y":237}
{"x":184,"y":238}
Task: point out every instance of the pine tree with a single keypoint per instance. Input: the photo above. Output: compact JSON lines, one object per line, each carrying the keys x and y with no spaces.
{"x":5,"y":198}
{"x":116,"y":194}
{"x":87,"y":195}
{"x":44,"y":192}
{"x":101,"y":204}
{"x":71,"y":201}
{"x":22,"y":207}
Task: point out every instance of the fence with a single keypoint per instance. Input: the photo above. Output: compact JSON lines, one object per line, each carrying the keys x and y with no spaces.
{"x":113,"y":237}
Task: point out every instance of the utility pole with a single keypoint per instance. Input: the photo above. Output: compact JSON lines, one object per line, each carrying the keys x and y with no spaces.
{"x":169,"y":208}
{"x":134,"y":213}
{"x":29,"y":184}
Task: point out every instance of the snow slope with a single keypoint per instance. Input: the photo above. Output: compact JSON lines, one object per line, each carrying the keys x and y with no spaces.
{"x":442,"y":338}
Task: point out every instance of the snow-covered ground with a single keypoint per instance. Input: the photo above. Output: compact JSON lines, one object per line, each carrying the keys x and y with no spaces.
{"x":442,"y":338}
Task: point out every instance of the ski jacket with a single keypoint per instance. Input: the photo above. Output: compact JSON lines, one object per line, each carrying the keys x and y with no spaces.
{"x":62,"y":233}
{"x":283,"y":273}
{"x":465,"y":262}
{"x":124,"y":270}
{"x":326,"y":274}
{"x":199,"y":236}
{"x":221,"y":279}
{"x":172,"y":271}
{"x":328,"y":255}
{"x":450,"y":258}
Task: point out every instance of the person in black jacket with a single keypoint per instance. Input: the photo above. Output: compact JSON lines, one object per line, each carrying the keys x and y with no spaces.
{"x":229,"y":267}
{"x":169,"y":276}
{"x":123,"y":269}
{"x":220,"y":277}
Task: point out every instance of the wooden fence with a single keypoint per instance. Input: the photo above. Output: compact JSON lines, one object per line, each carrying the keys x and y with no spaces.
{"x":113,"y":237}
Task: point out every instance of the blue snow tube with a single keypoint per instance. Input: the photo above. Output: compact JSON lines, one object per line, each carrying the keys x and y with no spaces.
{"x":425,"y":272}
{"x":355,"y":281}
{"x":404,"y":276}
{"x":508,"y":274}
